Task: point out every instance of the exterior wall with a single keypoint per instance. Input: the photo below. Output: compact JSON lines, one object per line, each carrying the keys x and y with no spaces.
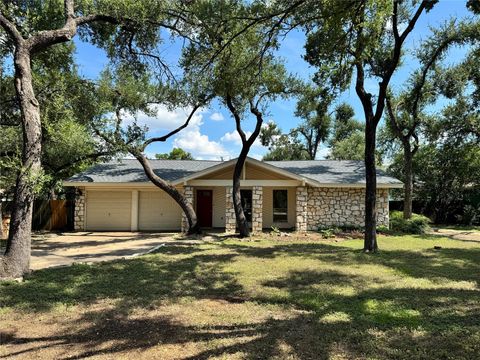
{"x":230,"y":220}
{"x":268,"y":208}
{"x":219,"y":203}
{"x":342,"y":206}
{"x":257,"y":209}
{"x":79,"y":219}
{"x":252,"y":172}
{"x":307,"y":207}
{"x":301,"y":223}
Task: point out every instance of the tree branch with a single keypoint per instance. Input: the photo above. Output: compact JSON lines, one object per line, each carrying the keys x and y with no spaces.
{"x":11,"y":30}
{"x":394,"y":62}
{"x":258,"y":126}
{"x":237,"y":118}
{"x":173,"y":132}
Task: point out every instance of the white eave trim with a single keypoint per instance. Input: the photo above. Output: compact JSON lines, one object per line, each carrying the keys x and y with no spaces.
{"x":213,"y":182}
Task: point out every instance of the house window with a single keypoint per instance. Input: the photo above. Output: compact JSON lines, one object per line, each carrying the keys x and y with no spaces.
{"x":246,"y":196}
{"x":280,"y":206}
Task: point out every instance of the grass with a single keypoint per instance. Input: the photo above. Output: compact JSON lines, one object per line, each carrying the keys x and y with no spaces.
{"x":268,"y":298}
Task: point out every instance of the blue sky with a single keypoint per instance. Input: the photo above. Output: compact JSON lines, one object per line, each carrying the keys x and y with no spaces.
{"x":212,"y":132}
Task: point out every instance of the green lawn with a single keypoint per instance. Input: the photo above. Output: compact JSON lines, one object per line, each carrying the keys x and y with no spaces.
{"x":283,"y":299}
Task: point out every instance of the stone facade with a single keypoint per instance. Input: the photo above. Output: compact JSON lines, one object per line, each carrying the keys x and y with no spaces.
{"x":188,"y":193}
{"x":79,"y":219}
{"x":341,"y":206}
{"x":314,"y":207}
{"x":302,"y":209}
{"x":257,"y":209}
{"x":230,"y":220}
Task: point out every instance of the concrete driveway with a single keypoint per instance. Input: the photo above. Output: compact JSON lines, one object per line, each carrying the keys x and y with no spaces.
{"x":462,"y":235}
{"x":57,"y":249}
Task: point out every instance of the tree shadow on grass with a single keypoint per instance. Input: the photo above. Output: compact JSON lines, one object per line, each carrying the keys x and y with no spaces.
{"x":134,"y":283}
{"x":319,"y":323}
{"x":458,"y":264}
{"x":381,"y":323}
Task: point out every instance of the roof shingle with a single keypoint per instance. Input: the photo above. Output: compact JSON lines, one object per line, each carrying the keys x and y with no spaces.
{"x":342,"y":172}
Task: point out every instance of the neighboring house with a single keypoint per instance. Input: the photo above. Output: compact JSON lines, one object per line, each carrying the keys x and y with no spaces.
{"x":301,"y":195}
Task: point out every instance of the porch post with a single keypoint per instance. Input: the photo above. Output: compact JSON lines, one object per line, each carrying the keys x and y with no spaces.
{"x":79,"y":220}
{"x":257,"y":209}
{"x":301,"y":224}
{"x":230,"y":220}
{"x":188,"y":193}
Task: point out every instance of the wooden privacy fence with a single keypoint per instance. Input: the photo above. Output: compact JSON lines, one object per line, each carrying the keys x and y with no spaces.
{"x":47,"y":215}
{"x":51,"y":214}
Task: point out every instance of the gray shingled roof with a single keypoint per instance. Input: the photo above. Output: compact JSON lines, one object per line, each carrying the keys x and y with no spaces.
{"x":333,"y":171}
{"x":130,"y":170}
{"x":322,"y":171}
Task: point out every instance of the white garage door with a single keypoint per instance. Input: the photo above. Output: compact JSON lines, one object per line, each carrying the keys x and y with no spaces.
{"x":109,"y":210}
{"x":158,"y":211}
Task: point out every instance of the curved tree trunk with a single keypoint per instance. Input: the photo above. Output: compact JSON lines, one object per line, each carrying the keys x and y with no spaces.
{"x":408,"y":172}
{"x":187,"y":208}
{"x":370,"y":243}
{"x":16,"y":260}
{"x":242,"y":223}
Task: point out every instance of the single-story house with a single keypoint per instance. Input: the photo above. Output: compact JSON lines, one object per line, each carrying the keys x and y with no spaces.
{"x":301,"y":195}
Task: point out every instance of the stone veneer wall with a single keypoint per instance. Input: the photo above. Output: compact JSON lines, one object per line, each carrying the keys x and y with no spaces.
{"x":302,"y":209}
{"x":257,"y":209}
{"x":188,"y":193}
{"x":79,"y":219}
{"x":341,"y":206}
{"x":230,"y":220}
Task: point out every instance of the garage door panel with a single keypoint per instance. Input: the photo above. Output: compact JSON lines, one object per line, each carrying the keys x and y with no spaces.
{"x":109,"y":210}
{"x":158,"y":211}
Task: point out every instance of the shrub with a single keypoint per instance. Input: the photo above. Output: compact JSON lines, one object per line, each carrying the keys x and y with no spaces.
{"x":417,"y":224}
{"x":328,"y":232}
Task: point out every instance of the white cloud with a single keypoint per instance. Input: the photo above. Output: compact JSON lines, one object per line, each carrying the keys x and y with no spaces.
{"x":216,"y":116}
{"x":233,"y":137}
{"x":201,"y":147}
{"x":163,"y":119}
{"x":192,"y":140}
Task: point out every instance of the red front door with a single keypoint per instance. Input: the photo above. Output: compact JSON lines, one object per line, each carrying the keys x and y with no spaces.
{"x":204,"y":208}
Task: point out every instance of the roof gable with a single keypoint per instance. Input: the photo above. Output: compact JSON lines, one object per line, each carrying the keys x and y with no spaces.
{"x":225,"y":166}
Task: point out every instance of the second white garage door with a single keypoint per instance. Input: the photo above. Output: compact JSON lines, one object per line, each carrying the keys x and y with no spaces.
{"x":158,"y":211}
{"x":109,"y":210}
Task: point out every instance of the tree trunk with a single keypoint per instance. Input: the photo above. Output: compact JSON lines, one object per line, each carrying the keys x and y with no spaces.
{"x":1,"y":216}
{"x":408,"y":172}
{"x":16,"y":260}
{"x":193,"y":227}
{"x":370,"y":243}
{"x":242,"y":223}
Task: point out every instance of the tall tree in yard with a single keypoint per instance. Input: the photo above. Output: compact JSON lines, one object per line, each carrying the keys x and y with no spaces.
{"x":406,"y":111}
{"x":245,"y":77}
{"x":125,"y":95}
{"x":27,"y":36}
{"x":304,"y":140}
{"x":364,"y":37}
